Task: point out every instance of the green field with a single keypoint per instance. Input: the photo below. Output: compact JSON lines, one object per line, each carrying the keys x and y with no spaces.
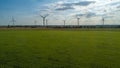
{"x":59,"y":49}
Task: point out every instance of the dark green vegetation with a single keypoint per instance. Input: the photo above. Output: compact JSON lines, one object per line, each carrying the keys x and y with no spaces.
{"x":59,"y":49}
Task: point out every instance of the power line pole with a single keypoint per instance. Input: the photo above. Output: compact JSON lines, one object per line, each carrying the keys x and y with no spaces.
{"x":13,"y":21}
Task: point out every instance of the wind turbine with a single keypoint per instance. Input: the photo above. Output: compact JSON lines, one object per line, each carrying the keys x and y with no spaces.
{"x":103,"y":21}
{"x":64,"y":21}
{"x":78,"y":21}
{"x":35,"y":22}
{"x":46,"y":22}
{"x":44,"y":18}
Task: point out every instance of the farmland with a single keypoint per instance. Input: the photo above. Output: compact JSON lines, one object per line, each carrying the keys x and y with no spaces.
{"x":59,"y":49}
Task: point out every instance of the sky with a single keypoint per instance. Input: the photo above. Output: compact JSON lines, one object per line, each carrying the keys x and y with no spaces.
{"x":90,"y":12}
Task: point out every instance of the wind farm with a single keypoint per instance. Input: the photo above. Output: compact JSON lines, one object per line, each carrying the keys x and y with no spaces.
{"x":59,"y":34}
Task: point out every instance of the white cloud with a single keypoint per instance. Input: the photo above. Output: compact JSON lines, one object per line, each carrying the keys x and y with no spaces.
{"x":101,"y":8}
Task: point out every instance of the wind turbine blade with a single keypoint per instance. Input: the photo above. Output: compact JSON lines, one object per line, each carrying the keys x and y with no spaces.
{"x":41,"y":16}
{"x":46,"y":15}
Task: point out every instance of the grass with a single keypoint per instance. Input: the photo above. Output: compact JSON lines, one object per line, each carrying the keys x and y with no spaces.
{"x":59,"y":49}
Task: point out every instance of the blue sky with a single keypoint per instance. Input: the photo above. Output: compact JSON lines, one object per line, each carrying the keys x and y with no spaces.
{"x":90,"y":12}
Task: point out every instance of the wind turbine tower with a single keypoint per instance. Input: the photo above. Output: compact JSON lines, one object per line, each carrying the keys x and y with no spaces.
{"x":35,"y":22}
{"x":46,"y":22}
{"x":103,"y":21}
{"x":44,"y":19}
{"x":78,"y":21}
{"x":64,"y":21}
